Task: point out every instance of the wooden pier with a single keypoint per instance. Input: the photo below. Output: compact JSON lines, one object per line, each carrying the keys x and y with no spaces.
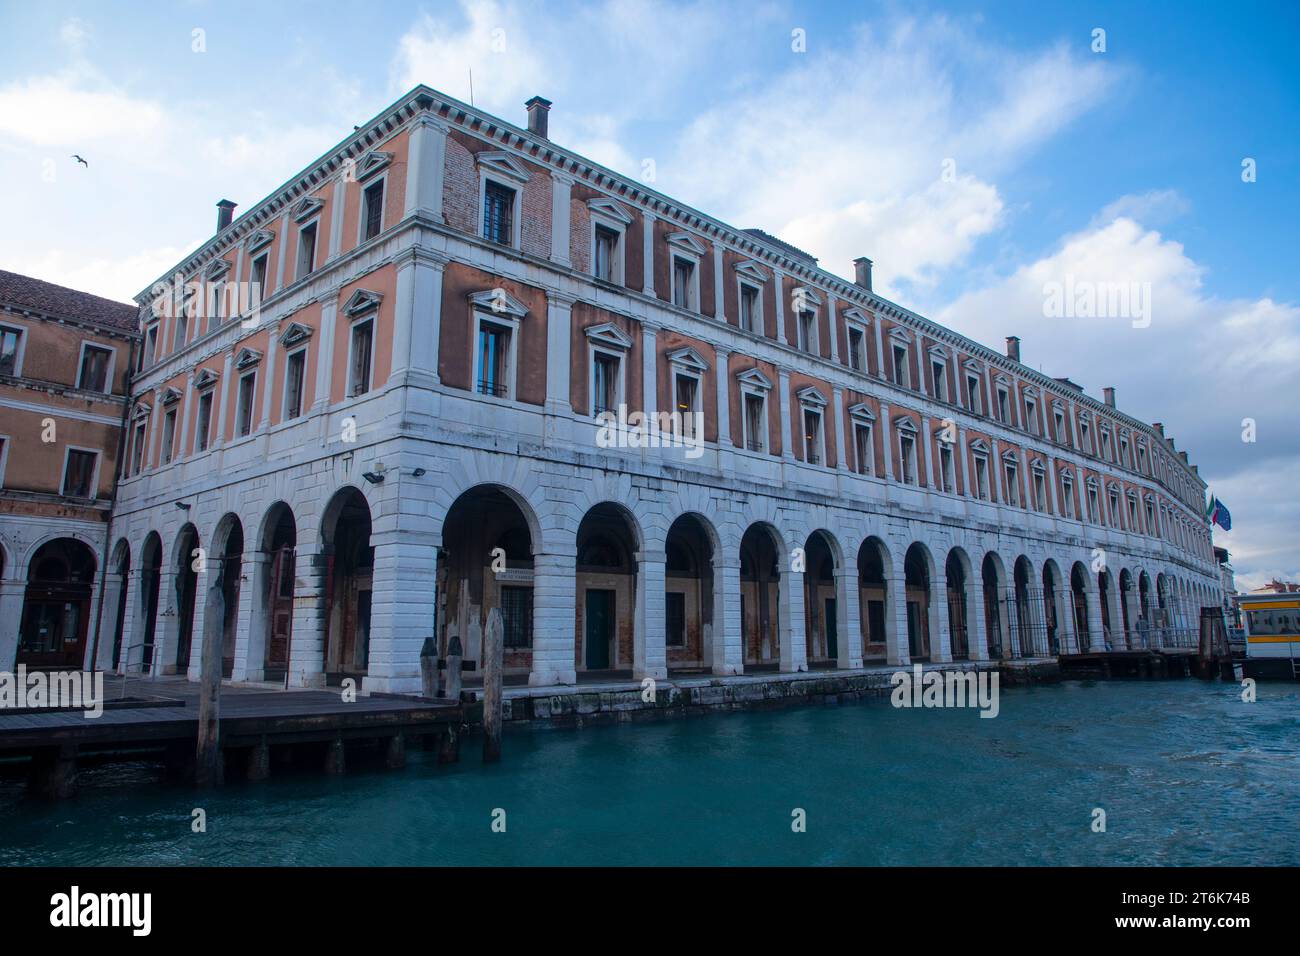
{"x":159,"y":718}
{"x":1141,"y":664}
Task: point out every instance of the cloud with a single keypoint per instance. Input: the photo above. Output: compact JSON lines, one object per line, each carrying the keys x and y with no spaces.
{"x":1156,"y":207}
{"x":119,"y":278}
{"x":71,"y":109}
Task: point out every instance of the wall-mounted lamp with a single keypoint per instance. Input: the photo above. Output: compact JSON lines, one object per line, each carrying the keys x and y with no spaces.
{"x":373,"y":478}
{"x":183,"y":505}
{"x":418,"y":473}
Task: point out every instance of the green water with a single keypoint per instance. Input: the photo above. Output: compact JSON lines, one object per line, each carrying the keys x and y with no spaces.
{"x":1186,"y":772}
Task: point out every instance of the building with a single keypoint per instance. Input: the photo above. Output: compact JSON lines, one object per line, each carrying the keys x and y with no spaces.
{"x":370,"y":403}
{"x":64,"y":359}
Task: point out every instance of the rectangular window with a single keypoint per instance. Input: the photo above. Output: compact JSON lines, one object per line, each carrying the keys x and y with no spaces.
{"x":755,"y":430}
{"x":373,"y":211}
{"x":258,"y":291}
{"x":1031,"y":416}
{"x":307,"y":250}
{"x":203,"y":427}
{"x":516,"y":616}
{"x":498,"y":214}
{"x":938,"y":370}
{"x":812,"y":434}
{"x":1012,"y":487}
{"x":363,"y":337}
{"x":604,"y":383}
{"x":900,"y":366}
{"x":293,"y":382}
{"x":137,"y":449}
{"x":907,"y":454}
{"x":865,"y":449}
{"x":686,"y":388}
{"x":808,"y":331}
{"x":9,"y":342}
{"x":182,"y":330}
{"x":1085,"y":437}
{"x":675,"y":619}
{"x":947,"y":477}
{"x":857,"y":350}
{"x":1061,"y":435}
{"x":94,"y":369}
{"x":683,"y":283}
{"x":1114,"y":509}
{"x":493,"y":374}
{"x":750,"y":319}
{"x":79,"y":474}
{"x":1004,"y":407}
{"x":606,"y":249}
{"x":1040,"y":492}
{"x":982,"y":479}
{"x":1092,"y":505}
{"x":168,"y":435}
{"x":150,"y":347}
{"x":244,"y":409}
{"x":973,"y":394}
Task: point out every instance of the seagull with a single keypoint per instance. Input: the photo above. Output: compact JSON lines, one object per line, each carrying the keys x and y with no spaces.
{"x":80,"y":160}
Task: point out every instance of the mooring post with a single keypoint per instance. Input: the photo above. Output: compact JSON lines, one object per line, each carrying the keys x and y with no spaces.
{"x":207,"y":755}
{"x":453,"y":667}
{"x":335,"y":762}
{"x":54,"y":772}
{"x":492,"y":690}
{"x":395,"y":757}
{"x":259,"y":761}
{"x":429,"y":668}
{"x":449,"y":745}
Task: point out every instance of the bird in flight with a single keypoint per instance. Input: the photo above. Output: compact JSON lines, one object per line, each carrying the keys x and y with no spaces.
{"x":80,"y":160}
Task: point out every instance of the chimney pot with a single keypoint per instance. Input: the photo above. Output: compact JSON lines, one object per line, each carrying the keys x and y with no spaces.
{"x":1108,"y":396}
{"x":1013,"y":348}
{"x":1159,"y":427}
{"x":538,"y":108}
{"x":862,"y":272}
{"x":225,"y":213}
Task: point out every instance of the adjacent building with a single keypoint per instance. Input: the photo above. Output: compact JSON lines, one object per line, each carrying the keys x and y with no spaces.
{"x":64,"y":361}
{"x":377,"y":404}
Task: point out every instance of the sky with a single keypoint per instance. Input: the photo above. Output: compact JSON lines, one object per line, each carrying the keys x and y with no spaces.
{"x":980,"y":154}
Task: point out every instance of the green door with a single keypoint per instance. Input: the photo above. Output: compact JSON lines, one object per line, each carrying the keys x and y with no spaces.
{"x":600,"y":619}
{"x":832,"y":639}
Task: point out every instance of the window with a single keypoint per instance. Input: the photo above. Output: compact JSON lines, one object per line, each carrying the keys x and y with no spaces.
{"x":1132,"y":513}
{"x":939,"y":372}
{"x":94,"y":368}
{"x":498,"y":213}
{"x":1093,"y":512}
{"x":686,"y":390}
{"x":606,"y":254}
{"x":293,"y":383}
{"x":258,"y":291}
{"x":1004,"y":406}
{"x":363,"y":337}
{"x":808,"y":331}
{"x":901,"y":377}
{"x":1011,"y":486}
{"x":203,"y":428}
{"x":973,"y":394}
{"x":1105,"y":444}
{"x":372,"y":211}
{"x":947,"y":477}
{"x":1031,"y":416}
{"x":751,"y":315}
{"x":168,"y":435}
{"x":150,"y":347}
{"x":1085,"y":436}
{"x":864,"y":448}
{"x":1040,"y":490}
{"x":675,"y":619}
{"x":1142,"y":459}
{"x":10,"y":350}
{"x":1061,"y":435}
{"x":1067,"y":496}
{"x":812,"y":436}
{"x":1151,"y":519}
{"x":907,"y":455}
{"x":307,"y":249}
{"x":982,"y":478}
{"x":1114,"y":508}
{"x":79,"y":473}
{"x":857,"y":350}
{"x":684,"y":283}
{"x":516,"y":616}
{"x":137,"y":449}
{"x":755,"y":421}
{"x":244,"y":410}
{"x":182,"y":333}
{"x":605,"y":383}
{"x":493,"y":375}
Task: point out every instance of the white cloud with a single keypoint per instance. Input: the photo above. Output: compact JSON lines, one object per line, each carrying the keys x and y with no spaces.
{"x":71,"y":109}
{"x":120,"y":278}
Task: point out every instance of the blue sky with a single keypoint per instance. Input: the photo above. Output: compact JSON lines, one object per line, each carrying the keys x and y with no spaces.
{"x":1122,"y":165}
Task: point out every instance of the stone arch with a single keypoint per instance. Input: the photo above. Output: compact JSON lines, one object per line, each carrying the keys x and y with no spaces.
{"x":1056,"y":616}
{"x":919,"y":576}
{"x":55,"y":619}
{"x":993,"y":579}
{"x":221,"y":608}
{"x":150,"y":581}
{"x":517,"y":479}
{"x":876,"y":600}
{"x":959,"y":581}
{"x":120,"y":580}
{"x":274,"y":576}
{"x":186,"y":560}
{"x":693,"y":611}
{"x":1080,"y":588}
{"x":823,"y":629}
{"x":611,"y":592}
{"x":764,"y":625}
{"x":1027,"y":610}
{"x":348,"y":554}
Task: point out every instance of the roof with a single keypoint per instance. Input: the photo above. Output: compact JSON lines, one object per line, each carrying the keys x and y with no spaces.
{"x":782,"y":245}
{"x":56,"y":301}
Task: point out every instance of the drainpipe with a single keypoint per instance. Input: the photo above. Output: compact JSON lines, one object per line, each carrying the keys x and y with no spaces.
{"x":112,"y":499}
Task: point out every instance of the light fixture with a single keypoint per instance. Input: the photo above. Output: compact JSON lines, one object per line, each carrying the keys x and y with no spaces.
{"x":373,"y":478}
{"x":183,"y":505}
{"x":418,"y":473}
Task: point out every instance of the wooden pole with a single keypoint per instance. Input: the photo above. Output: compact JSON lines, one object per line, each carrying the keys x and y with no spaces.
{"x":429,"y":668}
{"x":493,"y":651}
{"x":453,"y":667}
{"x":207,"y":762}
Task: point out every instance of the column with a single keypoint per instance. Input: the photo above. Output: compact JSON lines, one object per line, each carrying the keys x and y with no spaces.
{"x":832,"y":313}
{"x":167,"y":630}
{"x":12,"y":595}
{"x":724,"y":398}
{"x":268,"y":372}
{"x":182,"y":448}
{"x":107,"y":621}
{"x":728,"y":646}
{"x":329,"y":308}
{"x":650,"y":378}
{"x":250,"y":653}
{"x":307,"y":638}
{"x":787,"y":438}
{"x":841,"y":453}
{"x":1096,"y":636}
{"x":554,"y":619}
{"x":282,"y":256}
{"x":402,"y":609}
{"x":417,"y":319}
{"x":336,"y":218}
{"x":197,"y":630}
{"x":878,"y":335}
{"x":426,"y":159}
{"x":649,"y":653}
{"x":792,"y":625}
{"x":223,"y":393}
{"x":719,"y":286}
{"x":560,"y":228}
{"x":960,"y":398}
{"x":939,"y":622}
{"x":848,"y":617}
{"x":976,"y":623}
{"x":778,"y":281}
{"x":925,"y":438}
{"x":897,"y":649}
{"x":963,"y":465}
{"x":648,"y":253}
{"x":559,"y":345}
{"x":887,"y":441}
{"x":995,"y":471}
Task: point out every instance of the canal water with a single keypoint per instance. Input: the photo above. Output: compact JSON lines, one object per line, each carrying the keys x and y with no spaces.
{"x":1185,"y":771}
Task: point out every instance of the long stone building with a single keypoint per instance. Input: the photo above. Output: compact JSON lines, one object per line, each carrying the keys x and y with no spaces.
{"x":377,"y":404}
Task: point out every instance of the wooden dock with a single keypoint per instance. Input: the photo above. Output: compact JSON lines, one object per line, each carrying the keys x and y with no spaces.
{"x":160,"y":717}
{"x":1138,"y":663}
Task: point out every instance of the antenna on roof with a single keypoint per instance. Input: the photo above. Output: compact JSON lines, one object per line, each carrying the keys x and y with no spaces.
{"x":471,"y":86}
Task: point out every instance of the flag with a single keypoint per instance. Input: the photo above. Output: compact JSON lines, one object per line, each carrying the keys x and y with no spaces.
{"x":1220,"y":515}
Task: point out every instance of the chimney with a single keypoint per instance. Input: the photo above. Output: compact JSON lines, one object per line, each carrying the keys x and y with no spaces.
{"x":1159,"y":427}
{"x":862,"y":272}
{"x":537,"y":110}
{"x":225,"y":213}
{"x":1013,"y":348}
{"x":1108,"y":396}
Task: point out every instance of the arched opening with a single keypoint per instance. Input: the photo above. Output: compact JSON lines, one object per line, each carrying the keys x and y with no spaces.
{"x":184,"y":559}
{"x":56,"y":605}
{"x":760,"y":596}
{"x":1144,"y":596}
{"x":1023,"y":608}
{"x":916,"y":573}
{"x":873,"y":597}
{"x":991,"y":578}
{"x":820,"y":606}
{"x":230,"y":539}
{"x":278,"y":581}
{"x":1125,"y":595}
{"x":121,"y":566}
{"x":688,"y":594}
{"x":955,"y":574}
{"x":605,"y":632}
{"x":150,"y":588}
{"x":1079,"y":601}
{"x":349,"y":580}
{"x":1051,"y":621}
{"x":486,"y":561}
{"x":1103,"y":593}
